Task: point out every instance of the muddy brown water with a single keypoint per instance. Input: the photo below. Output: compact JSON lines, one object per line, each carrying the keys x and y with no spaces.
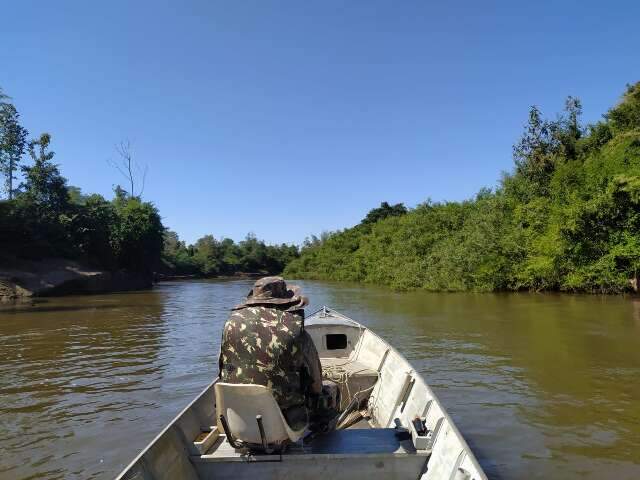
{"x":541,"y":386}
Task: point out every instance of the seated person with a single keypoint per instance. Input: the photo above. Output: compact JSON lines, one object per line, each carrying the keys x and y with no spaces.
{"x":264,"y":343}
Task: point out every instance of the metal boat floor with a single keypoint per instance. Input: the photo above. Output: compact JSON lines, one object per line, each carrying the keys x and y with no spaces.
{"x":357,"y":454}
{"x":358,"y":441}
{"x":361,"y":442}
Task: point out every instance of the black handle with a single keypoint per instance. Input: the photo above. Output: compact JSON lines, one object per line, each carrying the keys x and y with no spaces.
{"x":227,"y":432}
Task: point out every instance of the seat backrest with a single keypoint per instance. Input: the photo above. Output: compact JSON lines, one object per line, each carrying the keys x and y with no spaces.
{"x":240,"y":403}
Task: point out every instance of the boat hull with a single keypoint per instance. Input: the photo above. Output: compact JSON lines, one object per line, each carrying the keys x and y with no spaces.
{"x":360,"y":361}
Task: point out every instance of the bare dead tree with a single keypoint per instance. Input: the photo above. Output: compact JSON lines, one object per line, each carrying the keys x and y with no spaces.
{"x":130,"y":169}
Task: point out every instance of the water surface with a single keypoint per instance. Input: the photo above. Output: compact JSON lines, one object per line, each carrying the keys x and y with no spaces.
{"x":541,"y":386}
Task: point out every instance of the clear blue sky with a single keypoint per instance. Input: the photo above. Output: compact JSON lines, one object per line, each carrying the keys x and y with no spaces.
{"x":288,"y":118}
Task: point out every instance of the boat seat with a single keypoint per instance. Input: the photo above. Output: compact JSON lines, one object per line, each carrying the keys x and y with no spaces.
{"x":250,"y":414}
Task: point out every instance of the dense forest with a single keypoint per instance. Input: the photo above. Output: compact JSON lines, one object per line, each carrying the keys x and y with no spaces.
{"x":566,"y":218}
{"x":42,"y":216}
{"x":211,"y":257}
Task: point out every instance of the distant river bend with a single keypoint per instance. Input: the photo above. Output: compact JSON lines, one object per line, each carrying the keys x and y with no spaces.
{"x":542,"y":386}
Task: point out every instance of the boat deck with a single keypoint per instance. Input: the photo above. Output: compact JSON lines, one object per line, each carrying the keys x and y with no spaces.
{"x":371,"y":452}
{"x":360,"y":441}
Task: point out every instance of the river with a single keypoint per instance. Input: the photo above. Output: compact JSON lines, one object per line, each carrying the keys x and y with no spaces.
{"x":541,"y":386}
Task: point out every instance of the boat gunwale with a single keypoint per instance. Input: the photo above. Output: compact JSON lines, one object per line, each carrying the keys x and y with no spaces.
{"x":164,"y":430}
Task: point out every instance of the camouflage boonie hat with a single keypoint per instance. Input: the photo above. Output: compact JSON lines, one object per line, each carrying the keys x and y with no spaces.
{"x":274,"y":291}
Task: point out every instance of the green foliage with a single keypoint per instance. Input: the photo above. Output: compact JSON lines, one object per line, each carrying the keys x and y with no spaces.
{"x":383,"y":211}
{"x":626,"y":115}
{"x":13,"y":140}
{"x":177,"y":258}
{"x":45,"y":217}
{"x":210,"y":257}
{"x":567,"y":218}
{"x":137,"y":236}
{"x":122,"y":234}
{"x":44,"y":189}
{"x":94,"y":223}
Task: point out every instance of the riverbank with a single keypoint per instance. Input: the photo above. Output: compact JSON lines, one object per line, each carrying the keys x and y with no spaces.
{"x":167,"y":277}
{"x":631,"y":288}
{"x":54,"y":277}
{"x":57,"y":276}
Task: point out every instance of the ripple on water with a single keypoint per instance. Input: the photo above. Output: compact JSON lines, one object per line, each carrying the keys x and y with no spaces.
{"x":541,"y":387}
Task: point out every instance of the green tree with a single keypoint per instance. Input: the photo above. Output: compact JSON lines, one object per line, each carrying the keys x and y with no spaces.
{"x":383,"y":211}
{"x":76,"y":197}
{"x":570,"y":130}
{"x":177,"y":258}
{"x":137,"y":237}
{"x":93,"y":222}
{"x":13,"y":140}
{"x":211,"y":257}
{"x":44,"y":187}
{"x":208,"y":255}
{"x":626,"y":115}
{"x":535,"y":152}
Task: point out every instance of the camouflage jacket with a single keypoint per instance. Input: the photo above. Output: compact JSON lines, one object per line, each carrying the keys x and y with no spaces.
{"x":268,"y":346}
